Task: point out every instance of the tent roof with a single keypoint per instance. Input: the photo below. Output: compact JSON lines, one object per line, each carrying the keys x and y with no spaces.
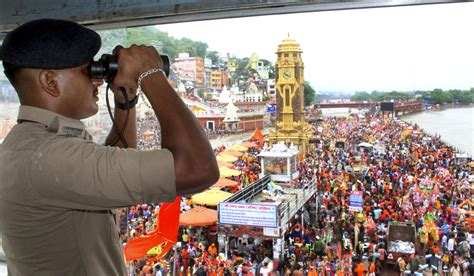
{"x":226,"y":172}
{"x":226,"y":158}
{"x":221,"y":163}
{"x":198,"y":216}
{"x":249,"y":144}
{"x":224,"y":182}
{"x":210,"y":197}
{"x":233,"y":152}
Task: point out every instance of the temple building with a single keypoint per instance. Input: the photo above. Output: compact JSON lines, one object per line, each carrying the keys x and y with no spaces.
{"x":290,"y":122}
{"x":231,"y":118}
{"x":253,"y":61}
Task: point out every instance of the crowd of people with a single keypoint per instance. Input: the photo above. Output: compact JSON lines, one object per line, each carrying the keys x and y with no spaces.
{"x":149,"y":132}
{"x":405,"y":176}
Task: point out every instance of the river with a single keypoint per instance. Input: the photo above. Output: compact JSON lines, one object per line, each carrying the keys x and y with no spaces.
{"x":456,"y":126}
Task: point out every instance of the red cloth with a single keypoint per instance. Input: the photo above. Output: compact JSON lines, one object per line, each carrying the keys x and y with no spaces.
{"x":166,"y":234}
{"x":259,"y":136}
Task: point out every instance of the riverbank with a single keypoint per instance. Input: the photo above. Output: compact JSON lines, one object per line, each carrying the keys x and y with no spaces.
{"x":450,"y":106}
{"x":454,"y":125}
{"x":230,"y":140}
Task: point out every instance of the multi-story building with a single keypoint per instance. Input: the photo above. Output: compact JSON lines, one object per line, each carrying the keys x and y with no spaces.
{"x":190,"y":69}
{"x":232,"y":66}
{"x":219,"y":79}
{"x":262,"y":70}
{"x":207,"y":72}
{"x":271,"y":90}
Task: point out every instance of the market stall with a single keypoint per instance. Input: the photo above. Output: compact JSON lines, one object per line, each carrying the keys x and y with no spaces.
{"x":233,"y":152}
{"x":249,"y":144}
{"x":227,"y":172}
{"x":198,"y":216}
{"x":210,"y":197}
{"x":225,"y":183}
{"x":226,"y":158}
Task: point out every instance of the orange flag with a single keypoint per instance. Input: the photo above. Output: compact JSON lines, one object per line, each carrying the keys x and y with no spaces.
{"x":258,"y":135}
{"x":162,"y":239}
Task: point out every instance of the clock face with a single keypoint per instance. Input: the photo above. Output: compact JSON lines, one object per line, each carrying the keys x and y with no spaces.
{"x":287,"y":75}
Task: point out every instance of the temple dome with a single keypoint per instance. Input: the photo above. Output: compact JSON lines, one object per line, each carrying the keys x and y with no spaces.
{"x":225,"y":96}
{"x":289,"y":45}
{"x":231,"y":113}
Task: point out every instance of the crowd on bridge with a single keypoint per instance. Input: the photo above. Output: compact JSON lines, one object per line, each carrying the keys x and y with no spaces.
{"x":405,"y":176}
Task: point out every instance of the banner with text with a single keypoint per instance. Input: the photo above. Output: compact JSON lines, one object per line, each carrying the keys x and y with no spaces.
{"x":355,"y":201}
{"x":248,"y":214}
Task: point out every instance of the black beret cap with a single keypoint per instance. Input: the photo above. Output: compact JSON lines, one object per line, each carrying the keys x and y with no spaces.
{"x":50,"y":44}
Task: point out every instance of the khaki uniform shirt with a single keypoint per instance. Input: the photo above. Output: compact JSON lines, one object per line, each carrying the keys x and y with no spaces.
{"x":57,"y":192}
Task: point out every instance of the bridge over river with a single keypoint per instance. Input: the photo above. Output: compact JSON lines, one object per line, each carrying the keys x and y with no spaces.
{"x":399,"y":107}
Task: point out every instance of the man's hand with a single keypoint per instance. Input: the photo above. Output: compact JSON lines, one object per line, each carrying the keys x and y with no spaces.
{"x":132,"y":62}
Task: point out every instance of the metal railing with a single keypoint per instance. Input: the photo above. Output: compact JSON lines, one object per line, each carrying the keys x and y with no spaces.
{"x":295,"y":197}
{"x":250,"y":192}
{"x":290,"y":207}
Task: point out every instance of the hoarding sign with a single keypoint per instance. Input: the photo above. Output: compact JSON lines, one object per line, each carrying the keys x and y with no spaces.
{"x":271,"y":232}
{"x":355,"y":201}
{"x":248,"y":214}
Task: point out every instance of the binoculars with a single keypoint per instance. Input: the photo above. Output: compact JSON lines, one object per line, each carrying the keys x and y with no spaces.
{"x":107,"y":67}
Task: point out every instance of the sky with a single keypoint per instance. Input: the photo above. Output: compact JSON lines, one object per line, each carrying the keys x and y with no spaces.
{"x":398,"y":48}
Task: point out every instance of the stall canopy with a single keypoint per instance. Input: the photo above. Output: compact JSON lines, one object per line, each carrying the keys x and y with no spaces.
{"x":226,"y":158}
{"x":225,"y":183}
{"x":198,"y":216}
{"x":226,"y":172}
{"x":233,"y":153}
{"x":249,"y":144}
{"x":210,"y":197}
{"x":239,"y":148}
{"x":224,"y":164}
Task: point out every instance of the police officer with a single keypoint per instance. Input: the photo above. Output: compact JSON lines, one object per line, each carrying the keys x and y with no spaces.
{"x":58,"y":188}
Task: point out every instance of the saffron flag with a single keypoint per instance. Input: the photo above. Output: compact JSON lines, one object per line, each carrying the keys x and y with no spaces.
{"x":161,"y":240}
{"x":259,"y":136}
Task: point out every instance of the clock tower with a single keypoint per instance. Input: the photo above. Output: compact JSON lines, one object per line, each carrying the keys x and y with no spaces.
{"x":290,"y":121}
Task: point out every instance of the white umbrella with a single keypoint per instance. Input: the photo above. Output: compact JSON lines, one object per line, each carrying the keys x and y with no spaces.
{"x":365,"y":145}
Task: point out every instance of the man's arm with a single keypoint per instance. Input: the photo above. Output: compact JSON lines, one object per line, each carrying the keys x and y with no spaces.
{"x":194,"y":160}
{"x":195,"y":163}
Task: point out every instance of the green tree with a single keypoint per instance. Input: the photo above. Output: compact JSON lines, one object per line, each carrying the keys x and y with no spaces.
{"x":110,"y":39}
{"x":376,"y":95}
{"x":141,"y":35}
{"x":194,"y":48}
{"x":361,"y":96}
{"x":309,"y":94}
{"x":213,"y":56}
{"x":395,"y":95}
{"x":168,"y":45}
{"x":455,"y":94}
{"x":437,"y":96}
{"x":201,"y":48}
{"x":467,"y":97}
{"x":242,"y":73}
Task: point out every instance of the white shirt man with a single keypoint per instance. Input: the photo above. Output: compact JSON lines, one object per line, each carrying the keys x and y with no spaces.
{"x":470,"y":239}
{"x":265,"y":270}
{"x":451,"y":244}
{"x":444,"y":242}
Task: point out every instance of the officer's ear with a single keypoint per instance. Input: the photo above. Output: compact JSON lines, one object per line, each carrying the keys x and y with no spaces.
{"x":48,"y":80}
